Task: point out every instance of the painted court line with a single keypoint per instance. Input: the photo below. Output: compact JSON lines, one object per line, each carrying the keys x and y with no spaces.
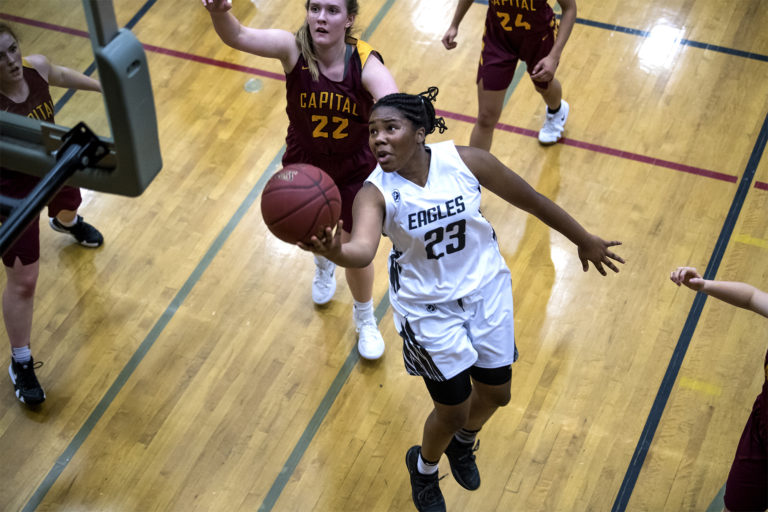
{"x":346,"y":369}
{"x":750,"y":240}
{"x":317,"y":419}
{"x":602,"y":149}
{"x":676,"y":361}
{"x":646,"y":33}
{"x":150,"y":339}
{"x":451,"y":115}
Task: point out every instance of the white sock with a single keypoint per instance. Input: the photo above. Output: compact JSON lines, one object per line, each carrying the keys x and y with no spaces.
{"x":21,"y":354}
{"x":364,"y":307}
{"x":67,"y":224}
{"x":426,"y":468}
{"x":363,"y":311}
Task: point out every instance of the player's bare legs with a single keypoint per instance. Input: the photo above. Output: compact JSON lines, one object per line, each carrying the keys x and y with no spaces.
{"x":489,"y":106}
{"x":552,"y":94}
{"x":18,"y":301}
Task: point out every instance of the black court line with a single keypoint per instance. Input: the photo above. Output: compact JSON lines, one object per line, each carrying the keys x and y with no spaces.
{"x":676,"y":361}
{"x":157,"y":329}
{"x":645,"y":33}
{"x":127,"y":371}
{"x":657,"y":409}
{"x":92,"y":67}
{"x":684,"y":42}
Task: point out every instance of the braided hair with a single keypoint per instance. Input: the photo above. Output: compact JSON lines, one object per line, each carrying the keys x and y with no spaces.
{"x":417,"y":108}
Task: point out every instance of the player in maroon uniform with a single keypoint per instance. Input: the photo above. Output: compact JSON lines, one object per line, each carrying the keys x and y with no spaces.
{"x":518,"y":30}
{"x":747,"y":485}
{"x":332,"y":81}
{"x":24,"y":91}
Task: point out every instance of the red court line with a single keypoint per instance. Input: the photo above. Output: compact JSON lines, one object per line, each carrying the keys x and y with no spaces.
{"x":213,"y":62}
{"x":451,"y":115}
{"x":761,"y":185}
{"x":42,"y":24}
{"x":603,"y":149}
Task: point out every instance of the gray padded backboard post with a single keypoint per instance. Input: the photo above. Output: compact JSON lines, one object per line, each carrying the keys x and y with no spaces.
{"x":28,"y":145}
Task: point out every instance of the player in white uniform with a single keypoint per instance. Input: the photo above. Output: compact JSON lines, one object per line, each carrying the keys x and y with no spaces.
{"x":449,"y":285}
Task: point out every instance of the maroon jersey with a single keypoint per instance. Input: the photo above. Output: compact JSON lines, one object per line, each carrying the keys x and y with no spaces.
{"x":329,"y":120}
{"x":762,"y":403}
{"x":518,"y":18}
{"x":38,"y":104}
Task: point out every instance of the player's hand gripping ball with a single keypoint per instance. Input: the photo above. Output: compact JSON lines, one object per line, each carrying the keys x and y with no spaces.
{"x":299,"y":201}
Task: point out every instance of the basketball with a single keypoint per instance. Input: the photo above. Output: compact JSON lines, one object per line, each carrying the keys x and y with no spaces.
{"x":299,"y":201}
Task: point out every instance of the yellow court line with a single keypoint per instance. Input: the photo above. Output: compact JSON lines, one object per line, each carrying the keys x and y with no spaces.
{"x":698,"y":385}
{"x":750,"y":240}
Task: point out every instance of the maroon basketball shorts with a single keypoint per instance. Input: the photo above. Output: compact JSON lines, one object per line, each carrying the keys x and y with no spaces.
{"x":747,"y":485}
{"x":499,"y":56}
{"x":348,"y":172}
{"x":27,"y":245}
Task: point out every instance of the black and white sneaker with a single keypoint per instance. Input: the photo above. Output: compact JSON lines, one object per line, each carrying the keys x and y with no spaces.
{"x":425,"y":489}
{"x":84,"y":233}
{"x":25,"y":383}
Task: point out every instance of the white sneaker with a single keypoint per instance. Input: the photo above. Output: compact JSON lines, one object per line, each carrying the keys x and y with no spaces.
{"x":370,"y":344}
{"x":324,"y":282}
{"x":554,"y":125}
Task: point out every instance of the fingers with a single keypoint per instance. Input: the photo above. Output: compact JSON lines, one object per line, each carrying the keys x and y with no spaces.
{"x":616,"y":257}
{"x":599,"y":267}
{"x":688,"y":276}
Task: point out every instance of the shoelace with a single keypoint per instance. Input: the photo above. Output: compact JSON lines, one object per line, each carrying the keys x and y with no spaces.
{"x":323,"y":276}
{"x":27,"y":379}
{"x":431,"y":492}
{"x":470,"y":455}
{"x":367,"y":324}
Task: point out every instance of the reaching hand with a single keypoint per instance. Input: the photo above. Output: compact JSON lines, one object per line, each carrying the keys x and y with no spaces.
{"x":217,"y":5}
{"x":329,"y":246}
{"x":596,"y":251}
{"x":449,"y":39}
{"x":688,"y":276}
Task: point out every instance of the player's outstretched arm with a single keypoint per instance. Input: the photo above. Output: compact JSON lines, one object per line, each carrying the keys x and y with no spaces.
{"x":739,"y":294}
{"x":269,"y":43}
{"x":360,"y":249}
{"x":508,"y":185}
{"x":61,"y":76}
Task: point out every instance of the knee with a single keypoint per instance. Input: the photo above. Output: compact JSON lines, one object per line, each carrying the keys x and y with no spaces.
{"x":22,"y":284}
{"x":501,"y":398}
{"x":488,"y":117}
{"x":454,"y":419}
{"x":498,"y":396}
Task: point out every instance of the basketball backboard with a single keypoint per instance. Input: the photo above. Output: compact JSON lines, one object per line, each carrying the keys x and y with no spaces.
{"x":134,"y":160}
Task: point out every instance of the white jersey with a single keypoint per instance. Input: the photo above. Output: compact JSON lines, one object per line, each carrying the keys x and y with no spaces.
{"x":443,"y":248}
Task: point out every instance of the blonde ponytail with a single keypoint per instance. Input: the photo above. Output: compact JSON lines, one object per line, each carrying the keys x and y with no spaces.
{"x":307,"y":49}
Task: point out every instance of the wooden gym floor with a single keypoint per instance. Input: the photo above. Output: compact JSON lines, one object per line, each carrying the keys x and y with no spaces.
{"x":187,"y":369}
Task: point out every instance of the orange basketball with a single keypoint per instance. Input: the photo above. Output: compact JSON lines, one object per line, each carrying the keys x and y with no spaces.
{"x":299,"y":201}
